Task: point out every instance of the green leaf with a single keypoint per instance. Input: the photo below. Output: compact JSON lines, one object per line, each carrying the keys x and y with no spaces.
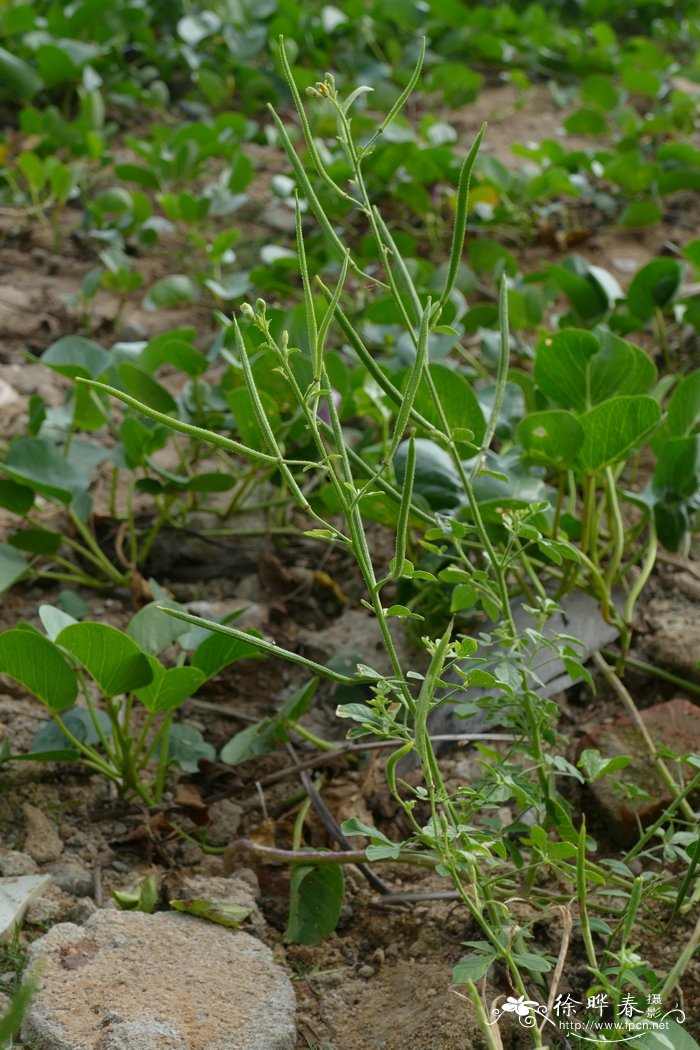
{"x":231,"y":915}
{"x":435,"y":479}
{"x":18,"y":79}
{"x":531,"y":962}
{"x":684,"y":406}
{"x":315,"y":903}
{"x":619,"y":368}
{"x":36,"y":663}
{"x":218,"y":651}
{"x":258,"y":739}
{"x":175,"y":290}
{"x":144,"y":899}
{"x":459,"y":402}
{"x":655,"y":285}
{"x":17,"y":498}
{"x":674,"y":1037}
{"x":145,"y":388}
{"x":169,"y":348}
{"x":36,"y":541}
{"x":109,"y":656}
{"x":153,"y":630}
{"x":640,"y":213}
{"x":472,"y":967}
{"x":595,"y":765}
{"x":13,"y":566}
{"x":74,"y":356}
{"x":561,"y":366}
{"x":612,"y":429}
{"x":186,"y":746}
{"x":552,"y":438}
{"x":169,"y":687}
{"x":52,"y":739}
{"x":587,"y":297}
{"x":42,"y":467}
{"x":54,"y":620}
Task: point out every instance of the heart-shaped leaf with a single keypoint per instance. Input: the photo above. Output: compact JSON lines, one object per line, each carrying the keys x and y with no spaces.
{"x":561,"y":367}
{"x":612,"y":429}
{"x":36,"y":663}
{"x":109,"y":656}
{"x":169,"y":687}
{"x":552,"y":438}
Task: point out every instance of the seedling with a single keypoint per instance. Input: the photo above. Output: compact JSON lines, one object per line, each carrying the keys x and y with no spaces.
{"x":112,"y":701}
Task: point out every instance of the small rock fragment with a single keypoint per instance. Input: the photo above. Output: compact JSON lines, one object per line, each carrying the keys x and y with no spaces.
{"x":225,"y":819}
{"x":12,"y":863}
{"x":41,"y":840}
{"x":675,"y":725}
{"x":72,"y":878}
{"x":16,"y":895}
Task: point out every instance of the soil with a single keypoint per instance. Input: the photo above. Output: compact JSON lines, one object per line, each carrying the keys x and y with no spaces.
{"x":383,"y":979}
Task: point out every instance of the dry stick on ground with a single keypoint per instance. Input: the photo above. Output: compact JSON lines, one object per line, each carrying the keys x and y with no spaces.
{"x":333,"y":828}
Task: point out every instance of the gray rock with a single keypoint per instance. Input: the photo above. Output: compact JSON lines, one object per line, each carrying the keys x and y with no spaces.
{"x":130,"y":981}
{"x":225,"y":819}
{"x":41,"y":840}
{"x":72,"y":878}
{"x":13,"y":863}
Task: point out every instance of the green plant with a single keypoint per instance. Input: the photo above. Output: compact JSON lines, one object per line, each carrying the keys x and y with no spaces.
{"x":129,"y":734}
{"x":433,"y":470}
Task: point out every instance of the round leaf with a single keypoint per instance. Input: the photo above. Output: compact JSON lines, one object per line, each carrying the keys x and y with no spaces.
{"x":109,"y":656}
{"x":612,"y":429}
{"x":36,"y":663}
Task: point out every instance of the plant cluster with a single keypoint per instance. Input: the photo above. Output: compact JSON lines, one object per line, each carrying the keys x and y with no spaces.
{"x":505,"y":427}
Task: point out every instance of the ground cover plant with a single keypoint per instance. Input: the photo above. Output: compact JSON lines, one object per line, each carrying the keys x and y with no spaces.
{"x":479,"y":439}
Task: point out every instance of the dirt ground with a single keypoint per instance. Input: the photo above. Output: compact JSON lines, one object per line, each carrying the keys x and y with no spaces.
{"x":383,"y":979}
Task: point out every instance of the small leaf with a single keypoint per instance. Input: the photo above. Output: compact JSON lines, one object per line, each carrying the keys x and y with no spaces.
{"x":218,"y":651}
{"x":552,"y":438}
{"x":231,"y":915}
{"x":153,"y":630}
{"x":169,"y":687}
{"x":655,"y":285}
{"x":561,"y":366}
{"x":315,"y":902}
{"x":144,"y":899}
{"x":472,"y":967}
{"x":19,"y":80}
{"x":186,"y":746}
{"x":13,"y":567}
{"x":175,"y":290}
{"x":74,"y":356}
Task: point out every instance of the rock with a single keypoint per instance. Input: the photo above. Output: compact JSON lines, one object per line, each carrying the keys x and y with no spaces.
{"x":675,"y":725}
{"x":12,"y":862}
{"x":41,"y":840}
{"x":225,"y":819}
{"x":130,"y":981}
{"x":72,"y":878}
{"x":81,"y":911}
{"x":16,"y":895}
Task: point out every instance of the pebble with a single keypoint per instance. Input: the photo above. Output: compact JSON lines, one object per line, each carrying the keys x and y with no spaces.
{"x":71,"y":877}
{"x":13,"y":863}
{"x":366,"y":971}
{"x":225,"y":819}
{"x":41,"y":840}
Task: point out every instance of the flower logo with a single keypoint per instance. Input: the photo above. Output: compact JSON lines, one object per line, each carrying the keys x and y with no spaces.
{"x":520,"y":1006}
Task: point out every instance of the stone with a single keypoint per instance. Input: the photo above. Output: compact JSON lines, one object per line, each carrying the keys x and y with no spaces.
{"x":224,"y":821}
{"x":676,"y":725}
{"x":72,"y":878}
{"x":12,"y":862}
{"x":168,"y":981}
{"x":16,"y":895}
{"x":41,"y":840}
